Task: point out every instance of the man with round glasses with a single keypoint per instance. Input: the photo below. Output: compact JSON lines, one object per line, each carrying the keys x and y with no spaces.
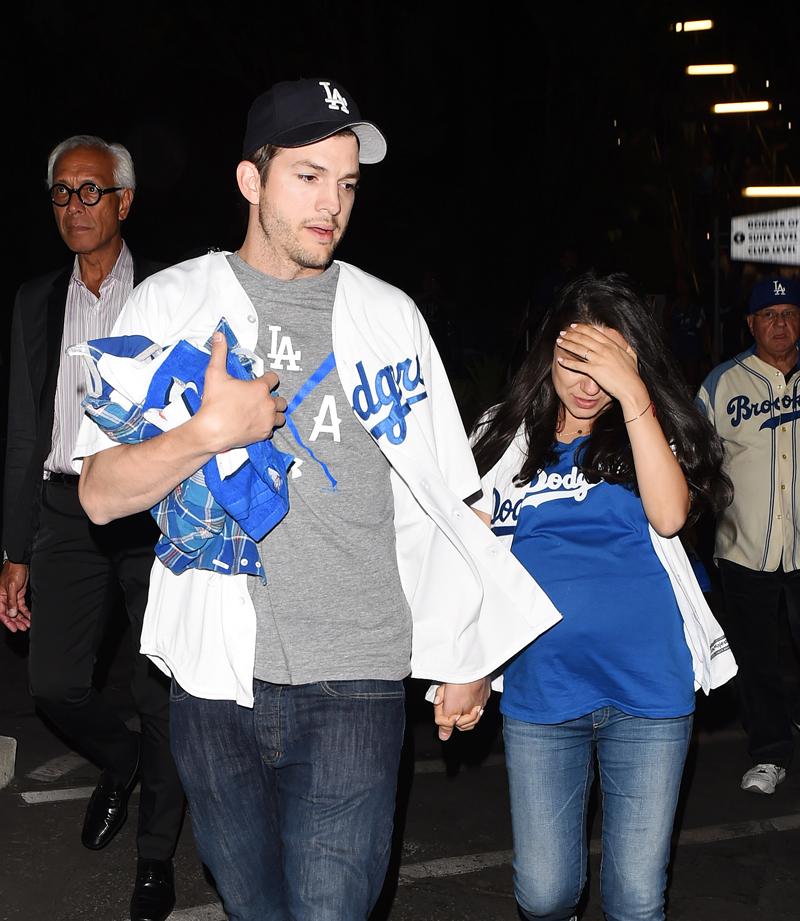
{"x":76,"y":568}
{"x":753,"y":401}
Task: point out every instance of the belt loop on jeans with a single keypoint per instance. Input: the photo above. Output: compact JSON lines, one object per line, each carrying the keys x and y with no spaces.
{"x":63,"y":479}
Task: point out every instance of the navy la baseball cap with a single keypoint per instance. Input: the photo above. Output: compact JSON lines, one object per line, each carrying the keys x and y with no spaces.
{"x":299,"y":112}
{"x":771,"y":291}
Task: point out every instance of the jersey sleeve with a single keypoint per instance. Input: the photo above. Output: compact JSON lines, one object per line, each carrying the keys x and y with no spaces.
{"x":704,"y":403}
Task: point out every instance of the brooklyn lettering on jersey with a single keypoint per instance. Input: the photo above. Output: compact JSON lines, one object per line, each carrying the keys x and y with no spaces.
{"x":741,"y":408}
{"x":545,"y":488}
{"x":388,"y":389}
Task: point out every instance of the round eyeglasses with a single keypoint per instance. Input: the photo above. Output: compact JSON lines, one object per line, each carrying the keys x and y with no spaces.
{"x":89,"y":193}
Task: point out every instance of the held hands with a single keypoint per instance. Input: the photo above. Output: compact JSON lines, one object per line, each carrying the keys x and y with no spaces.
{"x":236,"y":413}
{"x":460,"y":706}
{"x":605,"y":356}
{"x":14,"y":613}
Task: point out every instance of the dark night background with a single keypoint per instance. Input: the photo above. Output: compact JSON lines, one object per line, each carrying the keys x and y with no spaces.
{"x":516,"y":131}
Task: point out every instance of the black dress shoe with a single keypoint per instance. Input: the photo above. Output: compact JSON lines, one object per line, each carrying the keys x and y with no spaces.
{"x":154,"y":891}
{"x":107,"y":809}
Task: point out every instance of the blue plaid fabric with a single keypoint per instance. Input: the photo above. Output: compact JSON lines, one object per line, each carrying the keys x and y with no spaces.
{"x":208,"y":521}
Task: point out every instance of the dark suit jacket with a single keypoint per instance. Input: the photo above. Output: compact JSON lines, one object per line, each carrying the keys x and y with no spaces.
{"x":35,"y":347}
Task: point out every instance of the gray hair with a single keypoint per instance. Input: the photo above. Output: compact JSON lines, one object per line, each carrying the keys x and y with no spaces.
{"x":124,"y":175}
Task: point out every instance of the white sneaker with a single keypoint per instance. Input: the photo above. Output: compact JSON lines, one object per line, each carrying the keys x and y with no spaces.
{"x":763,"y":778}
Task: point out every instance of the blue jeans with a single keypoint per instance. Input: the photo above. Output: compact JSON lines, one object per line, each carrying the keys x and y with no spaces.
{"x":292,"y":802}
{"x":551,"y":769}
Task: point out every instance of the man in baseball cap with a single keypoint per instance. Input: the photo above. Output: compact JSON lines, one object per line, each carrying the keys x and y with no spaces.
{"x":287,"y":698}
{"x":753,"y":401}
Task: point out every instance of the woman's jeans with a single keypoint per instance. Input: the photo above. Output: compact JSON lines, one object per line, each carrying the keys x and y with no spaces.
{"x":292,"y":802}
{"x":550,"y":770}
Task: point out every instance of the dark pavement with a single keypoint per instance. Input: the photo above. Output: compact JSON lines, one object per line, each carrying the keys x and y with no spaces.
{"x":737,"y":855}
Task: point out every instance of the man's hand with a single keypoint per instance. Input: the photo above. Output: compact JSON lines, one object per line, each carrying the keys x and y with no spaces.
{"x":130,"y":478}
{"x":236,"y":413}
{"x":14,"y":612}
{"x":460,"y":706}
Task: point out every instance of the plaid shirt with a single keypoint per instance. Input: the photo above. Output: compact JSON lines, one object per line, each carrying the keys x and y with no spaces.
{"x":213,"y":519}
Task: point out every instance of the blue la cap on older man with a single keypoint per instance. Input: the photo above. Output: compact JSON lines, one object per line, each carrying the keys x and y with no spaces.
{"x":772,"y":291}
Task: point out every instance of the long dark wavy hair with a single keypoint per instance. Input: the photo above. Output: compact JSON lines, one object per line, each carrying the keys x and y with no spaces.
{"x":610,"y":301}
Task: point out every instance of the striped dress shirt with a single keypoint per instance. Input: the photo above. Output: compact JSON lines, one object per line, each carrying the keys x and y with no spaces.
{"x":86,"y":317}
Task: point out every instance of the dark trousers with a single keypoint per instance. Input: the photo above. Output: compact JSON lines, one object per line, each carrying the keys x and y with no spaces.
{"x":76,"y":571}
{"x":755,"y":603}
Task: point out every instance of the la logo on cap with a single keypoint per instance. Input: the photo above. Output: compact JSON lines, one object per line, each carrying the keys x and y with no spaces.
{"x":334,"y":98}
{"x":778,"y":288}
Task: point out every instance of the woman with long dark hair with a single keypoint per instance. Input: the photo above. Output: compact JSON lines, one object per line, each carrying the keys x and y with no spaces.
{"x":595,"y":460}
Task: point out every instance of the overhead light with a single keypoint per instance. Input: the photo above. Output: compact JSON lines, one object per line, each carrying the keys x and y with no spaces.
{"x":703,"y":70}
{"x":771,"y":191}
{"x":694,"y":25}
{"x":726,"y":108}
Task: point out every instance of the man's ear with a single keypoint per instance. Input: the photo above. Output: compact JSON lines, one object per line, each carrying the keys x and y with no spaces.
{"x":249,"y":181}
{"x":125,"y":201}
{"x":750,"y":321}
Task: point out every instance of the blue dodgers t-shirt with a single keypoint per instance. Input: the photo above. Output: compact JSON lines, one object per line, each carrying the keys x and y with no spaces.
{"x":621,"y":640}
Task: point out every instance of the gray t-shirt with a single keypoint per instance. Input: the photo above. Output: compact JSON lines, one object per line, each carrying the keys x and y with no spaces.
{"x":333,"y":607}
